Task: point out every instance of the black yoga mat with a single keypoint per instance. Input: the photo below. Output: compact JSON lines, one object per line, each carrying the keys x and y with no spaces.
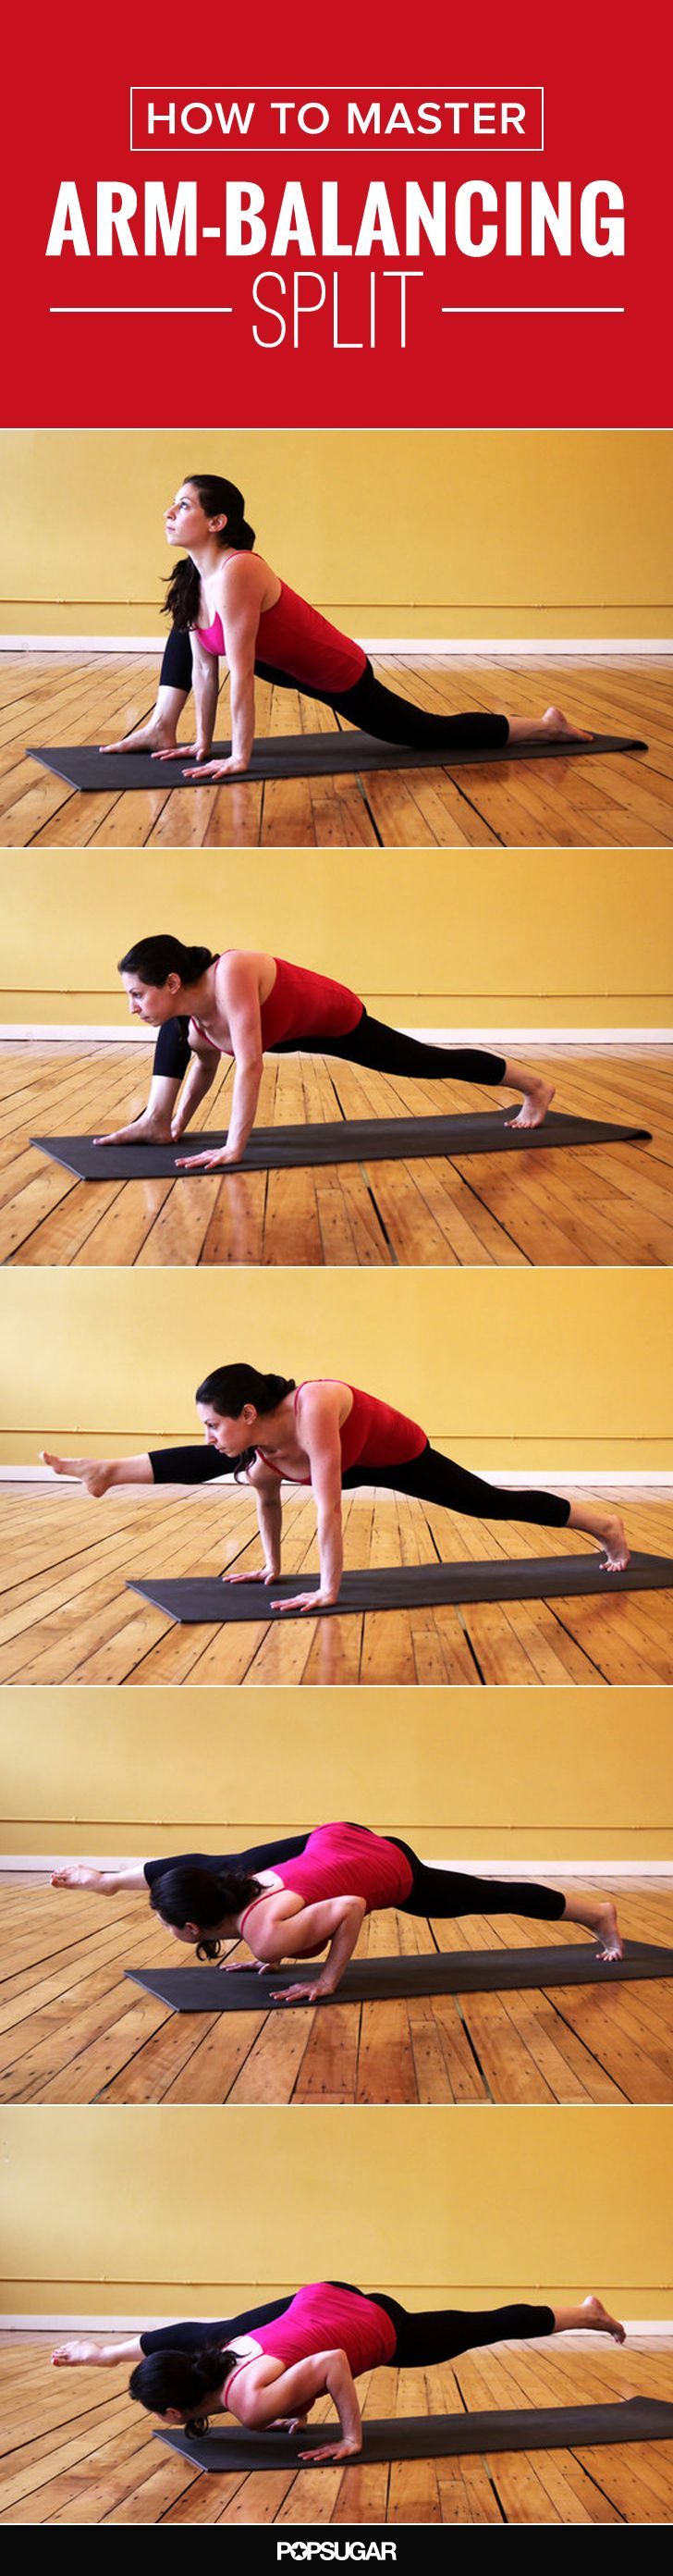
{"x":443,"y":1972}
{"x":342,"y":1140}
{"x":433,"y":2437}
{"x":203,"y":1600}
{"x":300,"y":755}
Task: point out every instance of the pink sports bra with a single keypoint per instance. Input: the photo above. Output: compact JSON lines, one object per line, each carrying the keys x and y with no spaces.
{"x":373,"y":1435}
{"x":344,"y":1860}
{"x":294,"y":638}
{"x":300,"y":1005}
{"x":325,"y":2317}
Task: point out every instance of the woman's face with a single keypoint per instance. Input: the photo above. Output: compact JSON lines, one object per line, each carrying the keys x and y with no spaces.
{"x":186,"y":523}
{"x":152,"y":1002}
{"x":229,"y":1433}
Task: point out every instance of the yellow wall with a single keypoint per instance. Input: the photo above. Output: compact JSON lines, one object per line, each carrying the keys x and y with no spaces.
{"x":155,"y":2210}
{"x":96,"y":1771}
{"x":503,"y":1368}
{"x":481,"y":532}
{"x":544,"y":939}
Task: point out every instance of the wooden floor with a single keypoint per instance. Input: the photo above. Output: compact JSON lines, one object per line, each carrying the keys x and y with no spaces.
{"x":72,"y":2029}
{"x":598,"y":1204}
{"x":66,"y":1614}
{"x":619,"y":800}
{"x":76,"y":2449}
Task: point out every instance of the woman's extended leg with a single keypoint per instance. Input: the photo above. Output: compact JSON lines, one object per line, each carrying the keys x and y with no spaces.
{"x":187,"y":1465}
{"x":429,"y":2335}
{"x":445,"y":1893}
{"x":377,"y":710}
{"x":388,"y":1050}
{"x":160,"y":733}
{"x":436,"y":1479}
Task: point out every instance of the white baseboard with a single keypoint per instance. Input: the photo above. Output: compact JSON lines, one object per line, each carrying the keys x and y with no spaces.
{"x":546,"y":1870}
{"x":596,"y":1480}
{"x":36,"y":1033}
{"x":81,"y":2321}
{"x":537,"y":646}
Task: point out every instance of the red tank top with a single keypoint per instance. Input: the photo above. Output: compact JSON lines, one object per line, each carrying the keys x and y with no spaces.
{"x":344,"y":1860}
{"x":301,"y":1005}
{"x":323,"y":2318}
{"x":295,"y":638}
{"x":374,"y":1435}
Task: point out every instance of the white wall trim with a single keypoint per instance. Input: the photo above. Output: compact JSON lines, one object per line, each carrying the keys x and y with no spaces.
{"x":83,"y":2321}
{"x":85,"y":1032}
{"x":548,"y":1868}
{"x":432,"y":645}
{"x":596,"y":1479}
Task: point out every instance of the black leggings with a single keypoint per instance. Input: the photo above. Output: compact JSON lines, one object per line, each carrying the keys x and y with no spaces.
{"x":447,"y":1892}
{"x":433,"y":1478}
{"x":368,"y":704}
{"x":370,"y":1043}
{"x":188,"y":2334}
{"x":428,"y":2335}
{"x":424,"y":2335}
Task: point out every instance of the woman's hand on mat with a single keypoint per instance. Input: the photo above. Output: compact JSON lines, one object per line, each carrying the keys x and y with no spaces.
{"x":230,"y":768}
{"x":308,"y":1601}
{"x":184,"y":751}
{"x":303,"y":1994}
{"x":262,"y":1575}
{"x":243,"y":1967}
{"x":334,"y":2451}
{"x":216,"y":1154}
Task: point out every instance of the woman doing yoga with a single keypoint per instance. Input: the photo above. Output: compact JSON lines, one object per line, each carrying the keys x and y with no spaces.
{"x":313,"y":1894}
{"x":245,"y":1004}
{"x":269,"y":2366}
{"x":225,"y":601}
{"x":333,"y":1437}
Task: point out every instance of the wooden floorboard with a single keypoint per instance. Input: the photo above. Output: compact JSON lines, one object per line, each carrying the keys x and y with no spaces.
{"x":621,"y":800}
{"x":72,"y":2029}
{"x":584,"y":1205}
{"x":66,"y":1614}
{"x":75,"y":2448}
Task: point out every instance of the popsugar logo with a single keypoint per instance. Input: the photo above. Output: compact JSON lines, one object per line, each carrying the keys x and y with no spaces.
{"x":342,"y":2549}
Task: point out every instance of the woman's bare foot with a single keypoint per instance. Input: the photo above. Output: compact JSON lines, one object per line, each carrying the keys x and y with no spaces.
{"x":615,"y":1544}
{"x":93,"y":1473}
{"x":146,"y":1130}
{"x":70,"y":2353}
{"x":534,"y":1108}
{"x":556,"y":723}
{"x":610,"y":1943}
{"x":599,"y":2319}
{"x":151,"y":737}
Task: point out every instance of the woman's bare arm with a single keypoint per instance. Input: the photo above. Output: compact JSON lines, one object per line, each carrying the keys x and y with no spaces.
{"x":337,"y":1921}
{"x":238,"y":989}
{"x":101,"y":2355}
{"x":102,"y":1882}
{"x":291,"y":2392}
{"x":318,"y":1431}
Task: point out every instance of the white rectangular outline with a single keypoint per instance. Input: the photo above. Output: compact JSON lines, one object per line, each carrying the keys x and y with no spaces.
{"x":337,"y":89}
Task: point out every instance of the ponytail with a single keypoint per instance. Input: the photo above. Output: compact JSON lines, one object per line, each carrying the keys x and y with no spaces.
{"x":182,"y":2379}
{"x":161,"y":955}
{"x":187,"y":1894}
{"x":229,"y":1388}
